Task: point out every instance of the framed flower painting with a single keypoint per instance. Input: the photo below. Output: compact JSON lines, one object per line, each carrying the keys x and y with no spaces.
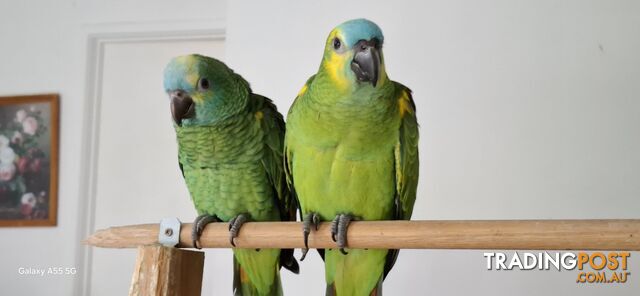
{"x":29,"y":160}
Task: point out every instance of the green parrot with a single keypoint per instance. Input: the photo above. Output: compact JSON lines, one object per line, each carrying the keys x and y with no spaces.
{"x":230,"y":146}
{"x":351,"y":153}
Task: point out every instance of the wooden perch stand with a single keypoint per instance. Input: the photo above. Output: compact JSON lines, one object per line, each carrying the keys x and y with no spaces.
{"x":172,"y":271}
{"x":162,"y":270}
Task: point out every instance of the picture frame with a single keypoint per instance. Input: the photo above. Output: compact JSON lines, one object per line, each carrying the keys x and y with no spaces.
{"x":29,"y":129}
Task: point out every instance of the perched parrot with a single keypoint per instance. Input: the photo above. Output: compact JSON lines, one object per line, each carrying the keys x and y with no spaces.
{"x":230,"y":146}
{"x":351,"y":153}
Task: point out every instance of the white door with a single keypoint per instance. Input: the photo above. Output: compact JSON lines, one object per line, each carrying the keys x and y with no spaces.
{"x":138,"y":180}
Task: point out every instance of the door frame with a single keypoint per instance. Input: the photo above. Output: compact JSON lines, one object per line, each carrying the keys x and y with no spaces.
{"x":96,"y":39}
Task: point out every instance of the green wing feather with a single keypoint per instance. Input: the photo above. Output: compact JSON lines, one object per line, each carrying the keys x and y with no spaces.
{"x":288,"y":157}
{"x":273,"y":128}
{"x":407,"y":163}
{"x":406,"y":155}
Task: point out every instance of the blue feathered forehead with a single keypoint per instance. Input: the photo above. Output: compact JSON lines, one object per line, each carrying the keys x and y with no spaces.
{"x":183,"y":71}
{"x":359,"y":29}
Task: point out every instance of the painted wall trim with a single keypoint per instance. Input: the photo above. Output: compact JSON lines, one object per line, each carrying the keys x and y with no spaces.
{"x":96,"y":39}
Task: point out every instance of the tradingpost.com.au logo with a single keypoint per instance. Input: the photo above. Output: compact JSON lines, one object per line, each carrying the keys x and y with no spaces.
{"x":597,"y":267}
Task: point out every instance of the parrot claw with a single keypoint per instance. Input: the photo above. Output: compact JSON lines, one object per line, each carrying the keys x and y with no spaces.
{"x":198,"y":226}
{"x":334,"y":227}
{"x":307,"y":221}
{"x":234,"y":227}
{"x":304,"y":253}
{"x":339,"y":228}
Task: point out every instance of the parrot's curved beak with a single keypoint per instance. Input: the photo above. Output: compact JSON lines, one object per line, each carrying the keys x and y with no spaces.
{"x":366,"y":61}
{"x":182,"y":106}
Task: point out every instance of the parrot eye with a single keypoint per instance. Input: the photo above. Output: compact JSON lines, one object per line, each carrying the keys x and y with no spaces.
{"x":203,"y":83}
{"x":336,"y":43}
{"x":376,"y":43}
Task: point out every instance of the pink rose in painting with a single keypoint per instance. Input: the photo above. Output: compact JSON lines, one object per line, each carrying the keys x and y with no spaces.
{"x":21,"y":115}
{"x":17,"y":138}
{"x":28,"y":203}
{"x":30,"y":126}
{"x":7,"y":171}
{"x":29,"y":198}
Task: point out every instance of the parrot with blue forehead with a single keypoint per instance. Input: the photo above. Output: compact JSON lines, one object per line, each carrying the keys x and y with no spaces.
{"x":351,"y":153}
{"x":230,"y":151}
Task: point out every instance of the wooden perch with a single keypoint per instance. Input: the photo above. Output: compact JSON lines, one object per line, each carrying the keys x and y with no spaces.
{"x":484,"y":234}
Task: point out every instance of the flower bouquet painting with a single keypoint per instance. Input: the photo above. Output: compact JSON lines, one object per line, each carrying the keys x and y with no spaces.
{"x":28,"y":160}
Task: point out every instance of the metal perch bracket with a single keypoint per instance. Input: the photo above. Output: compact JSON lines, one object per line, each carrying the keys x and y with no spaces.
{"x":169,"y":234}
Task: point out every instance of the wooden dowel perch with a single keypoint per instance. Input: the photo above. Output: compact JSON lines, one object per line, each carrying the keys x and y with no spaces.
{"x":507,"y":234}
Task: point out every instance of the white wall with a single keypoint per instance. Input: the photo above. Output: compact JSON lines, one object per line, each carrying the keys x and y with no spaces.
{"x":41,"y":52}
{"x":43,"y":49}
{"x":137,"y":150}
{"x":528,"y":110}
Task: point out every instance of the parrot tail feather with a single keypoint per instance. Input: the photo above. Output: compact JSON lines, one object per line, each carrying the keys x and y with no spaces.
{"x":242,"y":285}
{"x":331,"y":290}
{"x":377,"y":290}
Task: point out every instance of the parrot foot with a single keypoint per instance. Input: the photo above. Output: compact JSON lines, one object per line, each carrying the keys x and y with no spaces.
{"x":198,"y":226}
{"x":339,"y":228}
{"x":234,"y":227}
{"x":307,"y":221}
